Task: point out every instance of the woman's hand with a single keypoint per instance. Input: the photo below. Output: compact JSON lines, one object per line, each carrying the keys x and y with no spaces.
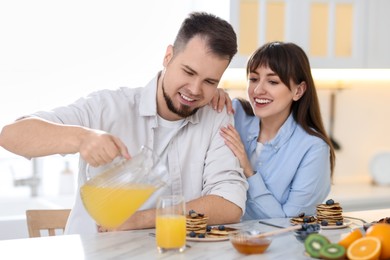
{"x":233,"y":141}
{"x":220,"y":99}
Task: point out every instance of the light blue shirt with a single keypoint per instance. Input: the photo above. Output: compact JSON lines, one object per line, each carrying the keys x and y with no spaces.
{"x":293,"y":169}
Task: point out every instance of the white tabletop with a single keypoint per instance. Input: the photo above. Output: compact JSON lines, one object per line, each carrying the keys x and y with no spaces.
{"x":140,"y":245}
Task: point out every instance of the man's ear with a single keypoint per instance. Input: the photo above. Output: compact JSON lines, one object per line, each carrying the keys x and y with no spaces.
{"x":168,"y":55}
{"x":299,"y":91}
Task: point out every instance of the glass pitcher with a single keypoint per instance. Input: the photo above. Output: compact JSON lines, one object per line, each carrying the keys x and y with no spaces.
{"x":114,"y":194}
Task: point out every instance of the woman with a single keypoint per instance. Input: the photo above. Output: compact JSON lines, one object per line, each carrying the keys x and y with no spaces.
{"x":279,"y":137}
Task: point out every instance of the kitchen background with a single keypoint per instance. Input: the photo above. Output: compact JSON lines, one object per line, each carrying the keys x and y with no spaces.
{"x":51,"y":53}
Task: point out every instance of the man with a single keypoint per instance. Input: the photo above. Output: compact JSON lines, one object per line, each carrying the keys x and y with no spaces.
{"x":170,"y":115}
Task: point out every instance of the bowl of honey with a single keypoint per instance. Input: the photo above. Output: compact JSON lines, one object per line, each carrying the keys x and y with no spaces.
{"x":249,"y":243}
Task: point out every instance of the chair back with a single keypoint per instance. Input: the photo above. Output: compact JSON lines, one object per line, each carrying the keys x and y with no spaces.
{"x":50,"y":220}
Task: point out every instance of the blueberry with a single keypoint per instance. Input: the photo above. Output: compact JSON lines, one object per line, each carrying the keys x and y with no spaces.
{"x":200,"y":215}
{"x":201,"y":236}
{"x":208,"y":228}
{"x":306,"y":219}
{"x":192,"y":234}
{"x":324,"y":222}
{"x":339,"y":222}
{"x":304,"y":226}
{"x":301,"y":215}
{"x":191,"y":211}
{"x":329,"y":202}
{"x":221,"y":227}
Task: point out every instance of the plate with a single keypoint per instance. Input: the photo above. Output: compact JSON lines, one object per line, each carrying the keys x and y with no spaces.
{"x":213,"y":239}
{"x":208,"y":239}
{"x":380,"y":168}
{"x":346,"y":223}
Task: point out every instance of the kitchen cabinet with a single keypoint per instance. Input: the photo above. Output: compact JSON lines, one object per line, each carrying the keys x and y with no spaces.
{"x":334,"y":33}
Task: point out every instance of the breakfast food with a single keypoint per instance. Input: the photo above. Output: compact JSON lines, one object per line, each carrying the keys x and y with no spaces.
{"x":382,"y":232}
{"x":247,"y":244}
{"x":350,"y":237}
{"x":332,"y":251}
{"x":302,"y":218}
{"x":196,"y":224}
{"x":314,"y":243}
{"x":365,"y":248}
{"x":330,"y":213}
{"x":383,"y":220}
{"x":219,"y":231}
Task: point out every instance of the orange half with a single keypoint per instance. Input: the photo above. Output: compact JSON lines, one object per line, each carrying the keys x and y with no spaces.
{"x":365,"y":248}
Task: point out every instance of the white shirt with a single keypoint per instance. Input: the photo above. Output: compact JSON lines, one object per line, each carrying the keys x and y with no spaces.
{"x":197,"y":156}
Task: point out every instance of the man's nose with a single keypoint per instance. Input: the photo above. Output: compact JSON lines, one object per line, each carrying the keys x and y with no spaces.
{"x":196,"y":87}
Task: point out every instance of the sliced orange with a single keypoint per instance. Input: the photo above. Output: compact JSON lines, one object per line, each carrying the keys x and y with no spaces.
{"x":381,"y":231}
{"x":365,"y":248}
{"x":350,"y":238}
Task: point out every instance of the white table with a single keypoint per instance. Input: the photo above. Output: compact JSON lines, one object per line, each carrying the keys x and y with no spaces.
{"x":139,"y":245}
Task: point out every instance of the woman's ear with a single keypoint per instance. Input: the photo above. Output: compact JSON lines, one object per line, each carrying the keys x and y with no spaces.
{"x":168,"y":55}
{"x":299,"y":91}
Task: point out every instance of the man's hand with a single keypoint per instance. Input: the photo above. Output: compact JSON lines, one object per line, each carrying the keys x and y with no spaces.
{"x":99,"y":148}
{"x":220,"y":99}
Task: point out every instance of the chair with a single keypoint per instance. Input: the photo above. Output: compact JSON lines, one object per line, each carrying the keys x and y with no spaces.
{"x":46,"y":219}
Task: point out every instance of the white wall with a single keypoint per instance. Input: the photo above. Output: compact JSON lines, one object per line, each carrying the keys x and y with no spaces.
{"x":378,"y":36}
{"x":53,"y":52}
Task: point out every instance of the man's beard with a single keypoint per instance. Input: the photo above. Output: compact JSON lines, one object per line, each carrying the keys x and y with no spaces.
{"x":183,"y":111}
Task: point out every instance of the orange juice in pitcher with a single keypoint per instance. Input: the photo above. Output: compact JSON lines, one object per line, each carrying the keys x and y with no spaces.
{"x":114,"y":194}
{"x":110,"y":207}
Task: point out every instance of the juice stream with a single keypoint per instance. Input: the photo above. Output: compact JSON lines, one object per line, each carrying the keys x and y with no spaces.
{"x":112,"y":206}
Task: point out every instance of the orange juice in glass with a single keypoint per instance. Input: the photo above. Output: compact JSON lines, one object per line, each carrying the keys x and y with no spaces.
{"x":170,"y":224}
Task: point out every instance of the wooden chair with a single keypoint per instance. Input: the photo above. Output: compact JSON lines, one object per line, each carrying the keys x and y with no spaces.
{"x":46,"y":219}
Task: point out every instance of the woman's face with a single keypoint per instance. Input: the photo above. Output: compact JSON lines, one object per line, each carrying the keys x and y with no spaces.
{"x":269,"y":96}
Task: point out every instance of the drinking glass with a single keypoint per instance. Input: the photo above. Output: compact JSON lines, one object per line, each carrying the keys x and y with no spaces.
{"x":170,"y":223}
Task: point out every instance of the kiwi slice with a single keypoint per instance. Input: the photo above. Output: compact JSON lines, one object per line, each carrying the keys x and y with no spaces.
{"x":314,"y":243}
{"x":332,"y":251}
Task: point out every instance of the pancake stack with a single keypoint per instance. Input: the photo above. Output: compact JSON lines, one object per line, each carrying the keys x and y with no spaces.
{"x":331,"y":212}
{"x":302,"y":218}
{"x":220,"y":231}
{"x":196,"y":222}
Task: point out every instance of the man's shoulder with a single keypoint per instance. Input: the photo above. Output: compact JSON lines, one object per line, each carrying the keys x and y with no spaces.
{"x":117,"y":95}
{"x":208,"y":112}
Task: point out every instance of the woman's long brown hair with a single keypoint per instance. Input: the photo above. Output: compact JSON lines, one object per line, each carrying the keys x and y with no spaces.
{"x":290,"y":62}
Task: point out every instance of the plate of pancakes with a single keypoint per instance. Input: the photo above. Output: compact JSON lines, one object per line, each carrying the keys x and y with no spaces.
{"x":198,"y":230}
{"x":329,"y":215}
{"x":216,"y":233}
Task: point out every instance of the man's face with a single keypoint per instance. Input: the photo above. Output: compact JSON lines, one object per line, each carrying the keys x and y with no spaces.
{"x":189,"y":80}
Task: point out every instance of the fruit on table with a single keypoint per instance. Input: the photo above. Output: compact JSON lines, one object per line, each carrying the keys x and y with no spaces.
{"x":332,"y":251}
{"x":350,"y":238}
{"x":382,"y":232}
{"x":314,"y":243}
{"x":367,"y":248}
